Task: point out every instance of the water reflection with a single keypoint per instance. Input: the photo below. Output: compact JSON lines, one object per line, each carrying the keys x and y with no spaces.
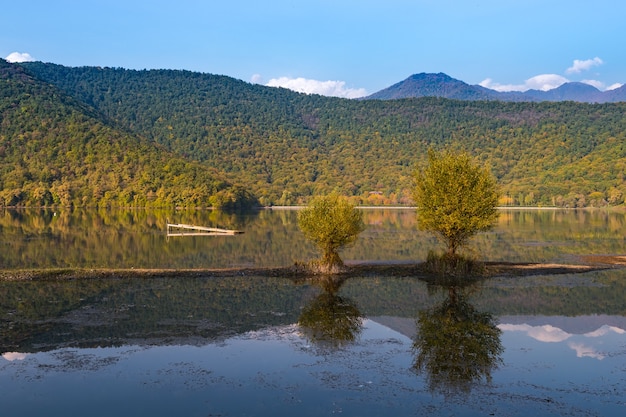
{"x":197,"y":346}
{"x":46,"y":315}
{"x":587,"y":337}
{"x":32,"y":238}
{"x":330,"y":320}
{"x":456,"y":346}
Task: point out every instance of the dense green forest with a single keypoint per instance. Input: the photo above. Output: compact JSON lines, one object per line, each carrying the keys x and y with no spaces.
{"x":285,"y":147}
{"x":58,"y":151}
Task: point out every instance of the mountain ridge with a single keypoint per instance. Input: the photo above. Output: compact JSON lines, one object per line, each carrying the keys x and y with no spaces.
{"x":443,"y":86}
{"x":285,"y":146}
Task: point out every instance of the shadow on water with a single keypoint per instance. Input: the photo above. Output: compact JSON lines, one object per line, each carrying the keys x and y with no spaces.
{"x":456,"y":346}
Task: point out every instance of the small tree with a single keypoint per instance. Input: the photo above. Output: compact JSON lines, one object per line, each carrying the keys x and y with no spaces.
{"x":455,"y":197}
{"x":331,"y":222}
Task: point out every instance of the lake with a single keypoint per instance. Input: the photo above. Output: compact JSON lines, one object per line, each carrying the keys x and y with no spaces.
{"x":262,"y":346}
{"x":138,"y":239}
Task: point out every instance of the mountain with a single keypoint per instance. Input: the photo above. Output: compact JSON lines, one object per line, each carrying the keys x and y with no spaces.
{"x":444,"y":86}
{"x":285,"y":146}
{"x":433,"y":85}
{"x":57,"y":150}
{"x":616,"y":95}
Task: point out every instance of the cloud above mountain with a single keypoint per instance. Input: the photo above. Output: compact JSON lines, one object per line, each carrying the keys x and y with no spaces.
{"x":543,"y":82}
{"x":16,"y":57}
{"x":308,"y":86}
{"x":546,"y":82}
{"x":614,"y":86}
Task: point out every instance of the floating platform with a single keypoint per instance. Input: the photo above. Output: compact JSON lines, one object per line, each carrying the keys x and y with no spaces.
{"x":191,"y":230}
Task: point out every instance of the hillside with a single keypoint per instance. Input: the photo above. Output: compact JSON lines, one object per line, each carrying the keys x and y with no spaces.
{"x":444,"y":86}
{"x":286,"y":146}
{"x":57,"y":151}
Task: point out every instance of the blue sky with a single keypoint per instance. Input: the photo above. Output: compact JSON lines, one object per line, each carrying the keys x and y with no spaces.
{"x":333,"y":47}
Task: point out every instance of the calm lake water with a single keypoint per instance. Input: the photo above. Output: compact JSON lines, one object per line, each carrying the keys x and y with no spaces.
{"x":258,"y":346}
{"x":138,"y":239}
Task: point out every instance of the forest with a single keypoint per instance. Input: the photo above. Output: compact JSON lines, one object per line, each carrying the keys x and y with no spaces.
{"x":58,"y":151}
{"x":112,"y":136}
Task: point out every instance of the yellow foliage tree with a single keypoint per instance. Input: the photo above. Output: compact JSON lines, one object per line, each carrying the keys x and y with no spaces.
{"x":331,"y":222}
{"x":455,"y":197}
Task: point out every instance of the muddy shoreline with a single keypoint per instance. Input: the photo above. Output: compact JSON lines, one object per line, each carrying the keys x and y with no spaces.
{"x":492,"y":269}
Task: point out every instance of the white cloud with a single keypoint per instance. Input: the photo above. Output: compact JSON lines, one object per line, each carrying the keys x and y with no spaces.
{"x":543,"y":82}
{"x":604,"y":330}
{"x":513,"y":327}
{"x":546,"y":333}
{"x":583,"y":351}
{"x":325,"y":88}
{"x":256,"y":79}
{"x":546,"y":82}
{"x":488,"y":83}
{"x":597,"y":84}
{"x":585,"y":65}
{"x":601,"y":86}
{"x":14,"y":356}
{"x":19,"y":57}
{"x":551,"y":334}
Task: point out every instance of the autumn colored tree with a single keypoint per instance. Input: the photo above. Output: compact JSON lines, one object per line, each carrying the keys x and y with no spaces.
{"x":331,"y":222}
{"x":456,"y":198}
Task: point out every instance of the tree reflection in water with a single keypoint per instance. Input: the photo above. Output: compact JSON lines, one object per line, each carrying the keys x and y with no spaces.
{"x":330,"y":320}
{"x":456,"y":345}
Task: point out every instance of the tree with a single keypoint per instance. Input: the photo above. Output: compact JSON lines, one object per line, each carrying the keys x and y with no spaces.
{"x":331,"y":222}
{"x":455,"y":197}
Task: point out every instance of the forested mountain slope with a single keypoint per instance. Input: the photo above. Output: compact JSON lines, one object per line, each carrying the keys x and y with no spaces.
{"x":287,"y":146}
{"x":55,"y":150}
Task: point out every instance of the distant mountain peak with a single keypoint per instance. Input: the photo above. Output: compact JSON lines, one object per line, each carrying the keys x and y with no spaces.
{"x":431,"y":76}
{"x":442,"y":85}
{"x":430,"y":85}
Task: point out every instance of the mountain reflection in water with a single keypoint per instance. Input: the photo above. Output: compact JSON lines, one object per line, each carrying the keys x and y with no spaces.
{"x":271,"y":346}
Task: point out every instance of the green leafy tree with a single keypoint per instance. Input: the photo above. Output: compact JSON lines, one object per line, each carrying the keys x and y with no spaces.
{"x":455,"y":197}
{"x":331,"y":222}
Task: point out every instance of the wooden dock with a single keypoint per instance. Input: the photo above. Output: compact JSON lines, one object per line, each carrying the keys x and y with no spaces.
{"x":191,"y":230}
